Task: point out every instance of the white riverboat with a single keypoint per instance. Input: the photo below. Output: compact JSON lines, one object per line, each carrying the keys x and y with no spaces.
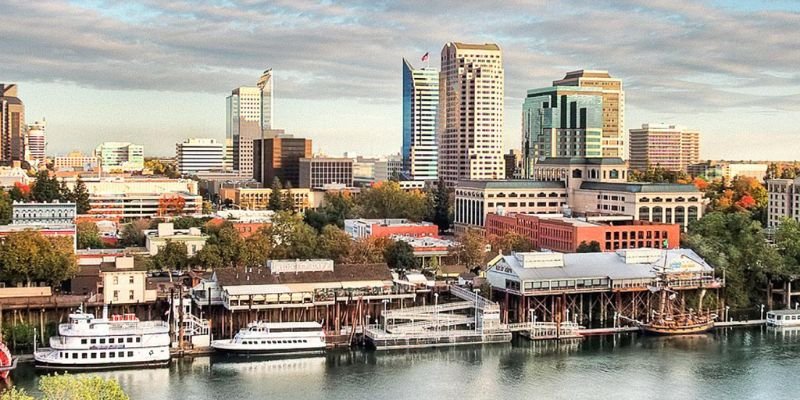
{"x":87,"y":343}
{"x":783,"y":318}
{"x":275,"y":338}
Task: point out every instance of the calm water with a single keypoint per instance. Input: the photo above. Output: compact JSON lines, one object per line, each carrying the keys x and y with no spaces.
{"x":737,"y":364}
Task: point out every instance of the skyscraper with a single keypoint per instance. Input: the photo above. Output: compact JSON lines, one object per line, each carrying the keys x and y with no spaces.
{"x":420,"y":110}
{"x":279,"y":156}
{"x":12,"y":124}
{"x":666,"y":146}
{"x":36,"y":147}
{"x":561,"y":121}
{"x":249,"y":116}
{"x":471,"y":112}
{"x":613,"y":141}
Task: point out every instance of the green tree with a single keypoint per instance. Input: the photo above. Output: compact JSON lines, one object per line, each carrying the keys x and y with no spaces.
{"x":80,"y":195}
{"x":20,"y":192}
{"x":5,"y":208}
{"x":257,"y":248}
{"x":471,"y":250}
{"x":367,"y":251}
{"x":400,"y":256}
{"x":133,"y":232}
{"x":224,"y":248}
{"x":275,"y":202}
{"x":173,"y":256}
{"x":334,"y":243}
{"x":46,"y":189}
{"x":508,"y":242}
{"x":388,"y":200}
{"x":291,"y":237}
{"x":28,"y":256}
{"x":89,"y":236}
{"x":591,"y":247}
{"x":68,"y":387}
{"x":336,"y":208}
{"x":787,"y":241}
{"x":442,"y":214}
{"x":15,"y":393}
{"x":287,"y":198}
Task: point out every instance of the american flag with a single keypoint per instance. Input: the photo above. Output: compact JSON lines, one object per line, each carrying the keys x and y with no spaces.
{"x":425,"y":57}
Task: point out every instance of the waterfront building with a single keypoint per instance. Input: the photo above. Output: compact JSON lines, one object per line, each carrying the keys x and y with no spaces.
{"x":36,"y":148}
{"x":420,"y":113}
{"x":565,"y":234}
{"x":120,"y":156}
{"x":12,"y":124}
{"x":364,"y":228}
{"x":475,"y":199}
{"x":471,"y":107}
{"x":157,"y":239}
{"x":75,"y":160}
{"x":199,"y":155}
{"x":124,"y":283}
{"x":592,"y":283}
{"x":613,"y":141}
{"x":562,"y":121}
{"x":318,"y":172}
{"x":783,"y":200}
{"x":35,"y":213}
{"x":666,"y":146}
{"x":279,"y":157}
{"x":728,"y":170}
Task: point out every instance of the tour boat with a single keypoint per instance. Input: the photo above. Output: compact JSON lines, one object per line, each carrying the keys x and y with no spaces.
{"x":275,"y":338}
{"x":783,"y":318}
{"x":87,"y":342}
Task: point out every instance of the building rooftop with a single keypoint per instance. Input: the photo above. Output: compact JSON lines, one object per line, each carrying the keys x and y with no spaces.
{"x":340,"y":273}
{"x":606,"y":265}
{"x":511,"y":184}
{"x":582,"y":160}
{"x":473,"y":46}
{"x":641,"y":187}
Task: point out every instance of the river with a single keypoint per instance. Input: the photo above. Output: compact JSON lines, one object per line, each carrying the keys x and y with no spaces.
{"x":732,"y":364}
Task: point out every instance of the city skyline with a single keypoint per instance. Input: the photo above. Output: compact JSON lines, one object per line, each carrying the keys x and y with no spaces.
{"x":698,"y":65}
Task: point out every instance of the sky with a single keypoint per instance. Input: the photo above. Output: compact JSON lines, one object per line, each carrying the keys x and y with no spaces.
{"x":156,"y":73}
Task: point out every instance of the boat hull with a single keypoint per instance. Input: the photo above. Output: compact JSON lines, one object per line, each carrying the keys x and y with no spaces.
{"x":677,"y":330}
{"x":229,"y":349}
{"x":100,"y":367}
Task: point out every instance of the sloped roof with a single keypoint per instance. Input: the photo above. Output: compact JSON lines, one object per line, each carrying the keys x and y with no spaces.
{"x":639,"y":187}
{"x":340,"y":273}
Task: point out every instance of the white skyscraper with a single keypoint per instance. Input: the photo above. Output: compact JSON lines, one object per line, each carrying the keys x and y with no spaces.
{"x":420,"y":111}
{"x":471,"y":113}
{"x":36,"y":147}
{"x":199,"y":155}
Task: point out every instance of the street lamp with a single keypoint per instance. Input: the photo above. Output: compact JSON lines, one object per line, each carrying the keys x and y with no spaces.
{"x":727,"y":311}
{"x":436,"y":309}
{"x":762,"y":311}
{"x":476,"y":307}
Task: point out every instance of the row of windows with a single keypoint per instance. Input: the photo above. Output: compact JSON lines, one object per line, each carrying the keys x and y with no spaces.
{"x":110,"y":340}
{"x":275,"y":341}
{"x":95,"y":355}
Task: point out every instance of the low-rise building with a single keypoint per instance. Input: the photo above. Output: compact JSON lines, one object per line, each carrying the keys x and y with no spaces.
{"x":199,"y":155}
{"x":563,"y":234}
{"x":123,"y":283}
{"x":258,"y":198}
{"x":76,"y":161}
{"x":157,"y":239}
{"x":475,"y":199}
{"x":36,"y":213}
{"x":120,"y":156}
{"x":727,"y":170}
{"x":317,"y":172}
{"x":361,"y":228}
{"x":13,"y":175}
{"x":128,"y":198}
{"x":430,"y":250}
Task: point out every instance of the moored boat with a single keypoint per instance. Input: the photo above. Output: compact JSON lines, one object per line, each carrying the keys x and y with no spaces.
{"x":275,"y":338}
{"x":781,"y":318}
{"x":90,"y":343}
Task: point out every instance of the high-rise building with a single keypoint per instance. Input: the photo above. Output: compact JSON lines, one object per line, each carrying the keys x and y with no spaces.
{"x":665,"y":146}
{"x":249,"y":117}
{"x":199,"y":155}
{"x":36,"y":148}
{"x":420,"y":111}
{"x":561,"y":121}
{"x":279,"y":157}
{"x":471,"y":112}
{"x":613,"y":142}
{"x":12,"y":124}
{"x":783,"y":200}
{"x":120,"y":156}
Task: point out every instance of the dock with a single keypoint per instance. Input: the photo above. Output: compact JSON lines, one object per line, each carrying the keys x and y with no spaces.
{"x":750,"y":322}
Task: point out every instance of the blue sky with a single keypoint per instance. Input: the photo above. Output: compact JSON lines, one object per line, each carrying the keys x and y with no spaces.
{"x":157,"y":72}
